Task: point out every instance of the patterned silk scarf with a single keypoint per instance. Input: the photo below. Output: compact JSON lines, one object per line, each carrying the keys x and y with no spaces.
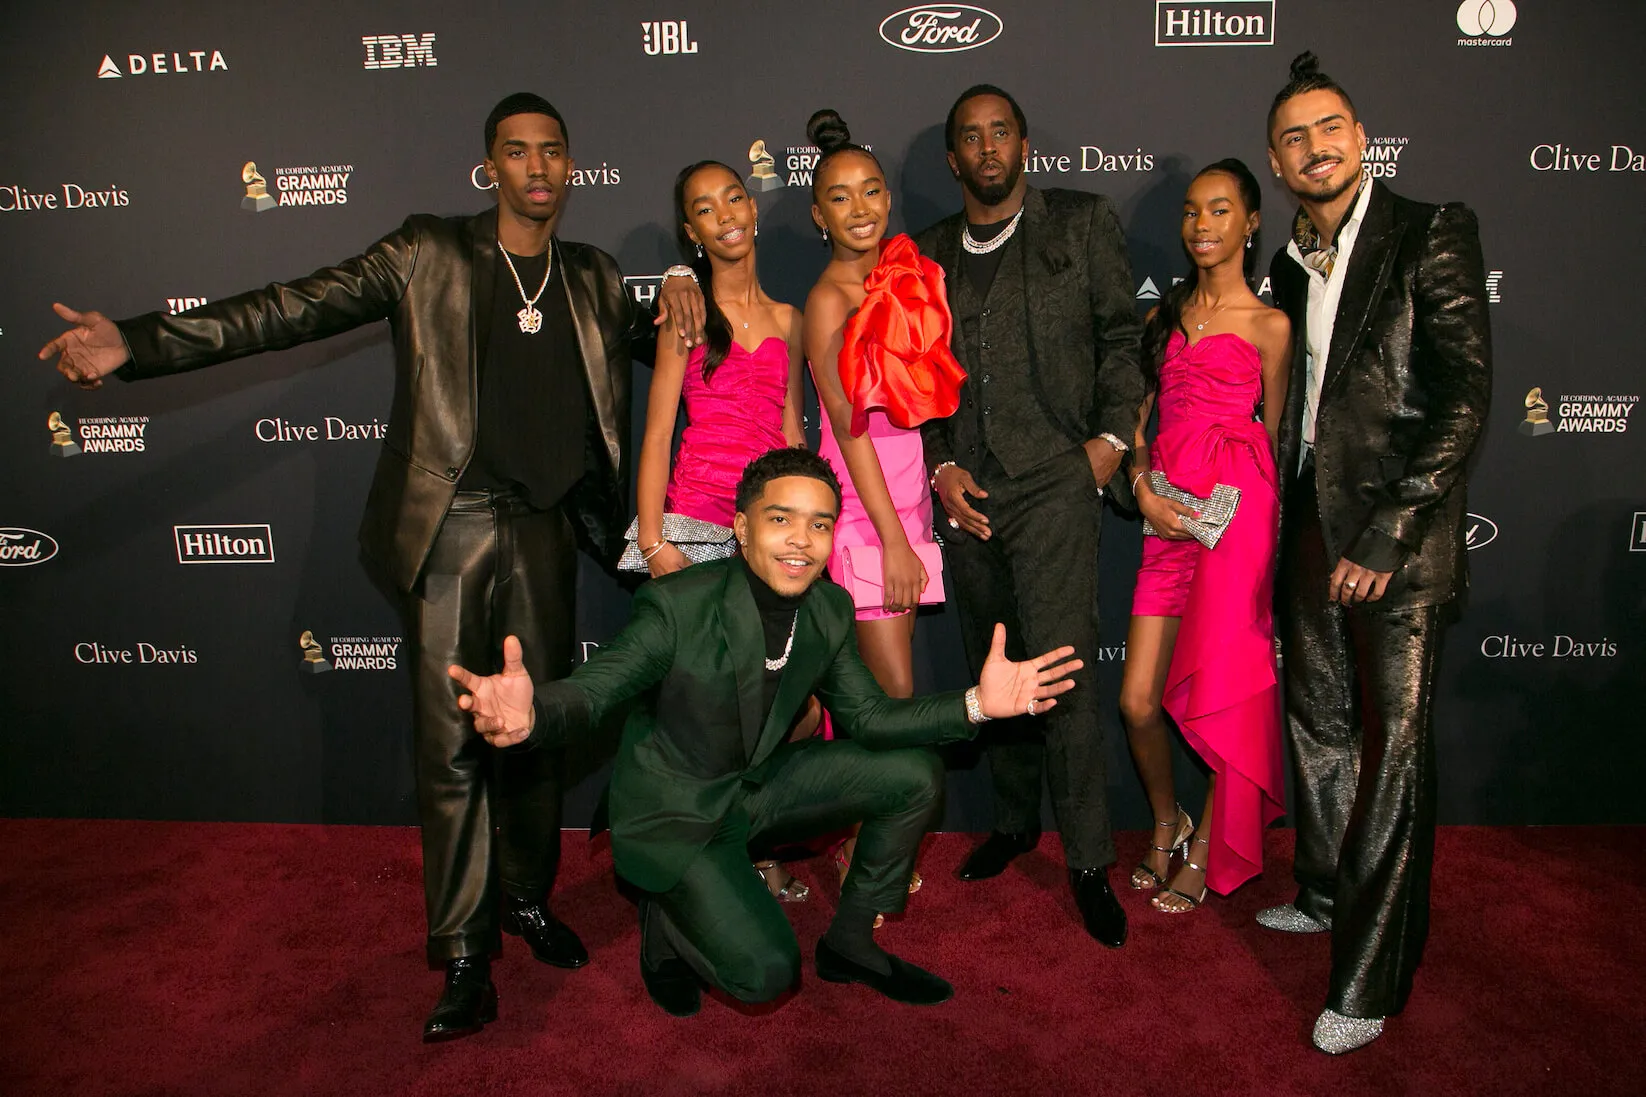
{"x":1307,"y":237}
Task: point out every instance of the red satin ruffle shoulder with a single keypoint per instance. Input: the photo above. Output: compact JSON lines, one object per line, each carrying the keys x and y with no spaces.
{"x":895,"y":356}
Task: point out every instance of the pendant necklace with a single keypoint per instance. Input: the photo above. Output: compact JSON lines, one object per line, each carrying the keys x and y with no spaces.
{"x":1202,"y":325}
{"x":531,"y":321}
{"x":969,"y":242}
{"x":783,"y":660}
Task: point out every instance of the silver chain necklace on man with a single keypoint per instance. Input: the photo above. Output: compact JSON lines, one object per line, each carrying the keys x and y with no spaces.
{"x":969,"y":242}
{"x":783,"y":660}
{"x":531,"y":321}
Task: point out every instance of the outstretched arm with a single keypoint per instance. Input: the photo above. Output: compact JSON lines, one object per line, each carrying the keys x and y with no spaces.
{"x":331,"y":300}
{"x":1005,"y":688}
{"x":510,"y":710}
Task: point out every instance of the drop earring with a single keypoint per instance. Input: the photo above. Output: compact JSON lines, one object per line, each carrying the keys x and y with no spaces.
{"x":700,"y":251}
{"x":825,"y":234}
{"x":757,"y":230}
{"x":1248,"y":243}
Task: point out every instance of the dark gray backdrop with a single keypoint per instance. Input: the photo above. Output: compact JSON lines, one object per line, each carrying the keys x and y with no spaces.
{"x":1539,"y":716}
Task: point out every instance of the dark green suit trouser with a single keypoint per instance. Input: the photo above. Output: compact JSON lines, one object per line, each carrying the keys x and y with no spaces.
{"x":721,"y":919}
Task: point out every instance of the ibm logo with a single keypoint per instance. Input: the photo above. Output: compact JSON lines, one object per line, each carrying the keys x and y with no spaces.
{"x":399,"y":51}
{"x":224,"y":544}
{"x":667,"y":37}
{"x":1494,"y":282}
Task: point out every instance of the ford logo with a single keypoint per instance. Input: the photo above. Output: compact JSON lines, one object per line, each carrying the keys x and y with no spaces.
{"x":941,"y":28}
{"x":1478,"y":530}
{"x":21,"y":547}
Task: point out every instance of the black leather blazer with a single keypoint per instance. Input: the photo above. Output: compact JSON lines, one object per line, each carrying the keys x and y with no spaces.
{"x":1083,"y":329}
{"x":1407,"y":384}
{"x":432,"y":280}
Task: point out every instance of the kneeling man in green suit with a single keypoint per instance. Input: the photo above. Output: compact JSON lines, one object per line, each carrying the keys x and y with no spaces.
{"x":724,"y":655}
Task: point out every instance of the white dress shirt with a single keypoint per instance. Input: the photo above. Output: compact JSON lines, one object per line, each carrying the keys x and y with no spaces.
{"x":1324,"y":292}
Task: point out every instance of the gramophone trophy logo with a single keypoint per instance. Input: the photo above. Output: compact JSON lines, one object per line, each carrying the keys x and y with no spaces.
{"x":1536,"y":422}
{"x":62,"y":438}
{"x":314,"y":658}
{"x":764,"y":177}
{"x":257,"y":199}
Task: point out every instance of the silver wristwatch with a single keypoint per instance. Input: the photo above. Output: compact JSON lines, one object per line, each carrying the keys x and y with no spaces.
{"x":679,"y":270}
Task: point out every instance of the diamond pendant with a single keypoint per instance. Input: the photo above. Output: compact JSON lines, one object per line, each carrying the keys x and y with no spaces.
{"x":531,"y":321}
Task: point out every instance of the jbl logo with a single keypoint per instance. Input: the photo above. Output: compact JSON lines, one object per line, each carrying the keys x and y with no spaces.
{"x":399,"y":51}
{"x":183,"y":304}
{"x":666,"y":36}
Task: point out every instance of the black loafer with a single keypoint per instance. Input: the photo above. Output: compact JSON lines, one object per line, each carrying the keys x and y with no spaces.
{"x":468,"y":1003}
{"x":552,"y":941}
{"x":1104,"y":917}
{"x":673,"y":985}
{"x":906,"y":983}
{"x":997,"y":851}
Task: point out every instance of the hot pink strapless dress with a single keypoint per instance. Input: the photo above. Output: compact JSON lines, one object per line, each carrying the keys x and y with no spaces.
{"x":1221,"y":687}
{"x":731,"y":419}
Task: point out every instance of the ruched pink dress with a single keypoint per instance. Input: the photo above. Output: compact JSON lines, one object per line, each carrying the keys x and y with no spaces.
{"x":1221,"y":688}
{"x":731,"y":419}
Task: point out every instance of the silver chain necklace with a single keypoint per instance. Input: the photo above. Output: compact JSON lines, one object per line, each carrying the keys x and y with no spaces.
{"x":531,"y":321}
{"x":783,"y":660}
{"x":969,"y":242}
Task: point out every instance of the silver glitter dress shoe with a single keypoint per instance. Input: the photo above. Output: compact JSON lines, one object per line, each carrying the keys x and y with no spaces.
{"x":1288,"y":919}
{"x":1336,"y":1034}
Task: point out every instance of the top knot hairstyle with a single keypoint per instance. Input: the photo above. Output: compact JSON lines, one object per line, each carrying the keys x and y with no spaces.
{"x":521,"y":102}
{"x":1306,"y":77}
{"x":828,"y":131}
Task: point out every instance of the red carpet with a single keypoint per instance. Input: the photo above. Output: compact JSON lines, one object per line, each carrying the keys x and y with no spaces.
{"x":160,"y":958}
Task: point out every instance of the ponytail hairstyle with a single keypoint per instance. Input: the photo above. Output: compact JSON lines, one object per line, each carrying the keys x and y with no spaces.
{"x":717,"y":330}
{"x":1306,"y":77}
{"x":1168,"y":315}
{"x":827,"y":130}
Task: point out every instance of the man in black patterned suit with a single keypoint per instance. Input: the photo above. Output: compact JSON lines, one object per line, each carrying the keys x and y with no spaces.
{"x":1047,"y":328}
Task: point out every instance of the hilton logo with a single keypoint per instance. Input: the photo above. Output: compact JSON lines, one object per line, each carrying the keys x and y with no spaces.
{"x":643,"y":288}
{"x":1637,"y":532}
{"x":224,"y":544}
{"x":1226,"y":23}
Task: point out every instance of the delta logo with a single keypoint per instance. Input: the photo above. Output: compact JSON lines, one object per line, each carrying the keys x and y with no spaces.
{"x":176,"y":63}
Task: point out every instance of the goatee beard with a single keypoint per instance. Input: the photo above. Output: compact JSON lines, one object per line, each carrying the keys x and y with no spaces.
{"x":992,"y":194}
{"x":1336,"y":192}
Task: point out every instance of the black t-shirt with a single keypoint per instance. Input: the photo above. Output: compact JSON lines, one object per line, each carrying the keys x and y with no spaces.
{"x":534,"y":402}
{"x":981,"y":269}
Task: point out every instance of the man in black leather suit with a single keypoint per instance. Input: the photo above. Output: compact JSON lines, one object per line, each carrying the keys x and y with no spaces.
{"x":1047,"y":328}
{"x":506,"y":450}
{"x":1391,"y":377}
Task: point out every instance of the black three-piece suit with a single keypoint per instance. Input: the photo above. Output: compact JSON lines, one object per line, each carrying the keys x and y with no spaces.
{"x":1404,"y":395}
{"x":472,"y":565}
{"x":1051,"y":356}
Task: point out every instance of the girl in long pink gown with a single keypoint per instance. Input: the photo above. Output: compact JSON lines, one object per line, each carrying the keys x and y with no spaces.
{"x":1201,"y":642}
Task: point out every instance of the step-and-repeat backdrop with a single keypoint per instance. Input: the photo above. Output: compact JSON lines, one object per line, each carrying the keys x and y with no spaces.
{"x":178,"y":558}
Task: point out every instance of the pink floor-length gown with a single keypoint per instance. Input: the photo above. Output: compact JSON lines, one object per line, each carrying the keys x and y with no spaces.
{"x":1221,"y":688}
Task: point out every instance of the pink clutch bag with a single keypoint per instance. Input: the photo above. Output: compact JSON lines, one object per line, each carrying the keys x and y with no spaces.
{"x":864,"y":580}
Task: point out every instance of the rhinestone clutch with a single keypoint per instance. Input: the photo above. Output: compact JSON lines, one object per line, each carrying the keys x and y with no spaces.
{"x":696,"y":539}
{"x":1216,"y":511}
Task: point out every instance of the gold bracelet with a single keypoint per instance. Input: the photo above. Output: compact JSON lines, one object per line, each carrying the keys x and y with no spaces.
{"x":646,"y":554}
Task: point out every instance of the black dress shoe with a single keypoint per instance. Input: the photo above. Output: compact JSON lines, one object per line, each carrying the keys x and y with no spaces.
{"x":906,"y":983}
{"x":1099,"y":909}
{"x":996,"y":852}
{"x":468,"y":1002}
{"x":673,"y":985}
{"x":552,"y":941}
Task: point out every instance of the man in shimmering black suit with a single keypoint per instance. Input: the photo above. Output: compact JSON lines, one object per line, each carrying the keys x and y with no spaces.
{"x":1391,"y":377}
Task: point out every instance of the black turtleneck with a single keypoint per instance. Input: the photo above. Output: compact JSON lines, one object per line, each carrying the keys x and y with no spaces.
{"x":777,"y":617}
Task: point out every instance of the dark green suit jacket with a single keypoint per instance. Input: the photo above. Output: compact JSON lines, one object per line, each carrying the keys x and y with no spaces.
{"x":695,"y":648}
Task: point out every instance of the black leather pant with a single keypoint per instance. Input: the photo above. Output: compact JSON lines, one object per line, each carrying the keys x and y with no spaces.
{"x":721,"y":919}
{"x":1359,"y":691}
{"x":1037,"y":573}
{"x":497,"y":568}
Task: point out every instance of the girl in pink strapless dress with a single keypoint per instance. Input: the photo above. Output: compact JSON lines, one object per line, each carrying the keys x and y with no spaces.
{"x":741,"y":389}
{"x":1201,"y":642}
